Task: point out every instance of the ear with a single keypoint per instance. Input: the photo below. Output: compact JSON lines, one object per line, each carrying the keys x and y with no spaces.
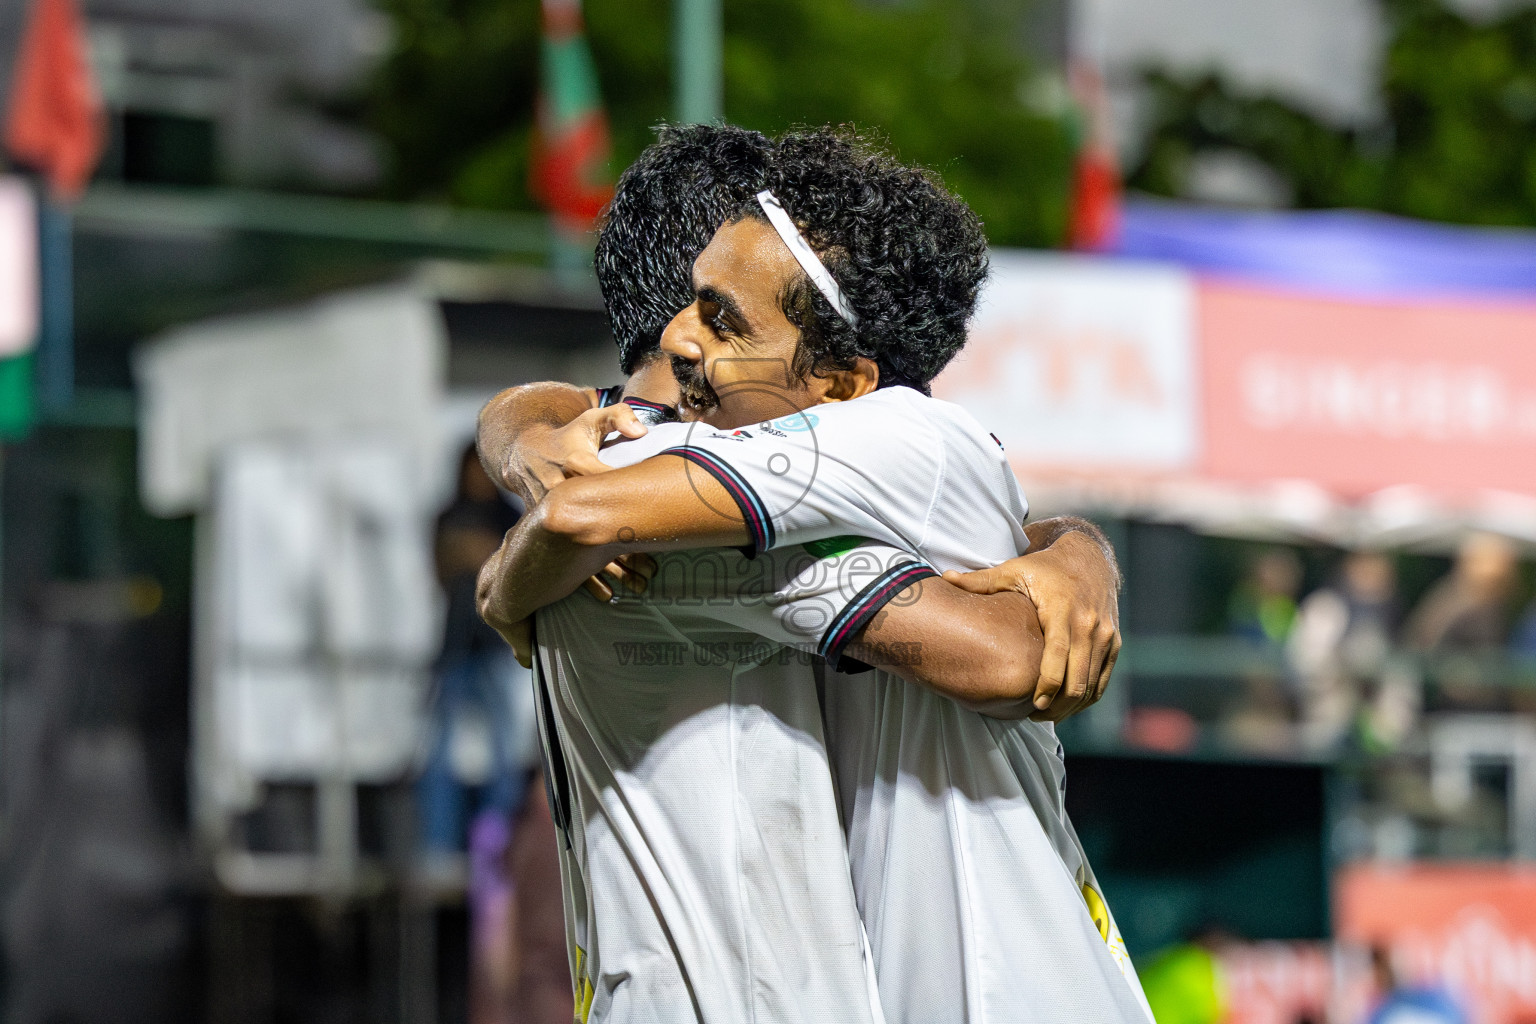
{"x":855,"y":382}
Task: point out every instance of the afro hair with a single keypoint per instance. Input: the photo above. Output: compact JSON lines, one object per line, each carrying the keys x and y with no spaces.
{"x":665,"y":209}
{"x":909,"y":256}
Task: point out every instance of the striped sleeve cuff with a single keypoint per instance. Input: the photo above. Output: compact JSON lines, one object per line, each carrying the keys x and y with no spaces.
{"x":857,"y":613}
{"x":656,"y":407}
{"x":609,"y":396}
{"x":753,"y":512}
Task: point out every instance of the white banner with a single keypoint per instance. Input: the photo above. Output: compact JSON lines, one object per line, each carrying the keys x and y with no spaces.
{"x":18,"y":267}
{"x":1083,"y":365}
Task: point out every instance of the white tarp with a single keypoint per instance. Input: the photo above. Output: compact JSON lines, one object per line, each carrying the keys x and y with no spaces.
{"x":366,"y":363}
{"x":1082,"y":364}
{"x":19,"y":293}
{"x":325,"y":609}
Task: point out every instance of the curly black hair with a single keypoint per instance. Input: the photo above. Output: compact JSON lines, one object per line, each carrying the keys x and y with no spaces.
{"x":665,"y":209}
{"x":909,"y":256}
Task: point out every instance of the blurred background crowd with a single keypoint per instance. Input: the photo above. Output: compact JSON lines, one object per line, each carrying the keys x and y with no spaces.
{"x":1263,"y":305}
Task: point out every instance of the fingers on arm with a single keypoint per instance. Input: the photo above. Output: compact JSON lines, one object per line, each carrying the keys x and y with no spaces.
{"x":631,"y":571}
{"x":982,"y":581}
{"x":1090,"y":661}
{"x":1083,"y":660}
{"x":504,"y":419}
{"x":1053,"y":666}
{"x":621,"y":418}
{"x":1109,"y":666}
{"x":980,"y":650}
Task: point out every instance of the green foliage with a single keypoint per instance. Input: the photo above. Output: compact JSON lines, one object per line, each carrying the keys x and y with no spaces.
{"x":1457,"y":144}
{"x":945,"y":85}
{"x":453,"y":100}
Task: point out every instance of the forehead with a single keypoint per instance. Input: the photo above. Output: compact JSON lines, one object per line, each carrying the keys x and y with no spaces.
{"x":747,"y":260}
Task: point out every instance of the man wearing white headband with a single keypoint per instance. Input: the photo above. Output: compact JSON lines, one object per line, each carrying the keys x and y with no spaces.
{"x":1010,"y":925}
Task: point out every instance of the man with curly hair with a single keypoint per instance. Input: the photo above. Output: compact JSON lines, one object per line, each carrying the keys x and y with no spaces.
{"x":850,"y":307}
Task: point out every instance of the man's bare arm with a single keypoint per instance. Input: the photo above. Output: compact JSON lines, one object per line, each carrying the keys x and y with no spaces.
{"x":983,"y":650}
{"x":1071,"y":578}
{"x":980,"y":650}
{"x":522,"y":433}
{"x":513,"y":431}
{"x":585,"y":523}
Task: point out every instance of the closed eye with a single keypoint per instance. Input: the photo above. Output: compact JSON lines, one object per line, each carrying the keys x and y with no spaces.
{"x":721,"y":312}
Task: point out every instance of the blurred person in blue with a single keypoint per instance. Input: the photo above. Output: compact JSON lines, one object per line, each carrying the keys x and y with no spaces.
{"x":1409,"y":1004}
{"x":481,"y":740}
{"x":476,"y":757}
{"x":1522,"y":639}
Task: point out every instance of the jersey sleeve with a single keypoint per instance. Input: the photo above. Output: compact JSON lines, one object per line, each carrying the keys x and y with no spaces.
{"x":851,"y":468}
{"x":621,"y":451}
{"x":817,"y":596}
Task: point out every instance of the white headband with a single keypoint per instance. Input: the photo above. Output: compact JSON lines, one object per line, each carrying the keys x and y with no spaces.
{"x":804,"y":255}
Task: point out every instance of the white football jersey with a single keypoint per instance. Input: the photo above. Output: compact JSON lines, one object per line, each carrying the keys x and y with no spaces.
{"x":704,"y":863}
{"x":976,"y":897}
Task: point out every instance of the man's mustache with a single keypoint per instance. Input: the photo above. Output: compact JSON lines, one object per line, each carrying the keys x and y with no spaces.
{"x":695,"y":387}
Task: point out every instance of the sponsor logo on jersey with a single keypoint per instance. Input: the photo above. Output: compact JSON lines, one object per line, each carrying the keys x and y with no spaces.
{"x":1108,"y":930}
{"x":797,"y":423}
{"x":832,"y":547}
{"x":584,"y":990}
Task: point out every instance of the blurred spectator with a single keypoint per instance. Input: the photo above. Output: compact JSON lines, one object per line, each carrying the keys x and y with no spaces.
{"x":1263,"y":605}
{"x":1262,"y":609}
{"x":477,"y":770}
{"x":1340,"y":651}
{"x":1409,"y":1004}
{"x":476,"y":747}
{"x":1522,"y":642}
{"x":1468,"y":610}
{"x":1468,"y":613}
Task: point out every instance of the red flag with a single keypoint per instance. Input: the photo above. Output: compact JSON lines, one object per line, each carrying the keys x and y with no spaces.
{"x":55,"y":122}
{"x":1095,"y":177}
{"x":570,"y":143}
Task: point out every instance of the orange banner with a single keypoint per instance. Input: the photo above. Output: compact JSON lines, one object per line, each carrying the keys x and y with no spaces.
{"x":1471,"y":928}
{"x":1278,"y":982}
{"x":1360,"y":396}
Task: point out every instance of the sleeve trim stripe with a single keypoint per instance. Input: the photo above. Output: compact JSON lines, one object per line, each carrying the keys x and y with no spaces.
{"x":863,"y":607}
{"x":609,"y":395}
{"x":753,"y":511}
{"x":640,"y":403}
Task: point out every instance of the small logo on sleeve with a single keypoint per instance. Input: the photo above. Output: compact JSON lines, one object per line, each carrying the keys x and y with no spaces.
{"x":797,"y":423}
